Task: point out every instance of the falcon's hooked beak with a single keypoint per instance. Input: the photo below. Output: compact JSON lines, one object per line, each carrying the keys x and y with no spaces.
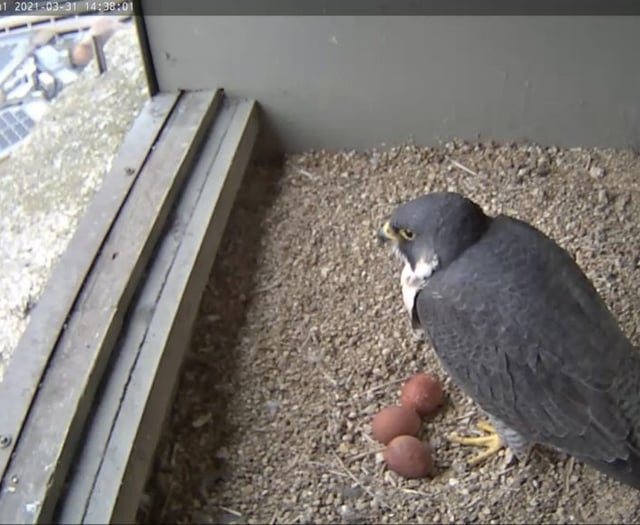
{"x":386,"y":233}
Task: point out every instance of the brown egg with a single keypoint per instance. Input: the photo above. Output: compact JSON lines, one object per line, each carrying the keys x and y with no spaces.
{"x":395,"y":421}
{"x":409,"y":457}
{"x":422,"y":393}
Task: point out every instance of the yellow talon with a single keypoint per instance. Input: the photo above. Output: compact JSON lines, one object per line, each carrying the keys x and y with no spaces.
{"x":491,"y":442}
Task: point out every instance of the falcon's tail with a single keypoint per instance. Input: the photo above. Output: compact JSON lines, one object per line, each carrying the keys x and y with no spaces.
{"x":625,"y":471}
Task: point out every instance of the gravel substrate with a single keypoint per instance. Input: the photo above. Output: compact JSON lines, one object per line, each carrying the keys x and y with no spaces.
{"x":302,"y":337}
{"x":48,"y":181}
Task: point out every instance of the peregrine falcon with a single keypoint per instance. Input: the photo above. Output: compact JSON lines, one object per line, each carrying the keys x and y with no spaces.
{"x":522,"y":331}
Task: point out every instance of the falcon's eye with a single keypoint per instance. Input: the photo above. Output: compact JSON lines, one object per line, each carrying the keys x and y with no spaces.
{"x":407,"y":235}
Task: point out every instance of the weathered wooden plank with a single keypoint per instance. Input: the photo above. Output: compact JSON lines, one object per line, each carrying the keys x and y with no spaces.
{"x":62,"y":404}
{"x":89,"y":460}
{"x":49,"y":315}
{"x":117,"y":489}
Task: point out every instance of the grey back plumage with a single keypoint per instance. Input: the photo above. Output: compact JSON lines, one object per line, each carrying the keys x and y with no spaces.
{"x":522,"y":331}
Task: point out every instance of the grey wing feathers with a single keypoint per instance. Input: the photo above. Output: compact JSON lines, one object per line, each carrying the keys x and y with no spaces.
{"x":521,"y":329}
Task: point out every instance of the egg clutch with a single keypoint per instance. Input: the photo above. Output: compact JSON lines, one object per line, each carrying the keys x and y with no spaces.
{"x":398,"y":427}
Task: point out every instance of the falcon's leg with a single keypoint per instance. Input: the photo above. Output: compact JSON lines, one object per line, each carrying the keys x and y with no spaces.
{"x":498,"y":436}
{"x":492,"y":442}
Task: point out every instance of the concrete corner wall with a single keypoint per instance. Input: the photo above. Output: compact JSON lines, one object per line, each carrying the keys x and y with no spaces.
{"x":339,"y":82}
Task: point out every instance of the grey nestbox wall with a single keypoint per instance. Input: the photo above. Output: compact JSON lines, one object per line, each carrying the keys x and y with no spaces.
{"x":337,"y":82}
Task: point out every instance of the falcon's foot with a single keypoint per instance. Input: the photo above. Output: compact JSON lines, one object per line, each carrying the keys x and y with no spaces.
{"x":491,"y":442}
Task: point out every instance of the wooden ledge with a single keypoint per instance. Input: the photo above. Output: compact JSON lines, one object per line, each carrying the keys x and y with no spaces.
{"x":91,"y":380}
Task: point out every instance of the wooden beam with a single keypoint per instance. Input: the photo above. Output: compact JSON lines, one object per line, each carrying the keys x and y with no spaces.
{"x":112,"y":467}
{"x":48,"y":317}
{"x":55,"y":422}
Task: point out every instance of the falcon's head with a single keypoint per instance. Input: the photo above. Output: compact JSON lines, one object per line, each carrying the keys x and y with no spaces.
{"x":430,"y":232}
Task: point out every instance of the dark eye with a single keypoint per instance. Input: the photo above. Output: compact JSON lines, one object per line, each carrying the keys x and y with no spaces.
{"x":407,"y":235}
